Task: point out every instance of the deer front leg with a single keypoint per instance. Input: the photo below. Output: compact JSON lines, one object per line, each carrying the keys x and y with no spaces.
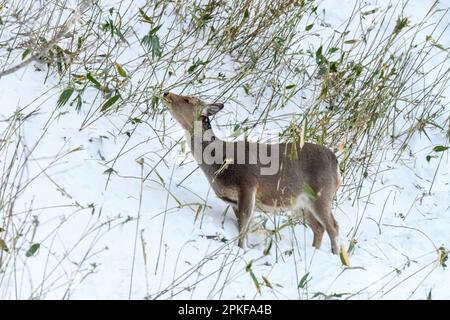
{"x":244,"y":211}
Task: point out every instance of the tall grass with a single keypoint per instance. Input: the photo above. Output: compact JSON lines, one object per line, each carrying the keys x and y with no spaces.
{"x":361,"y":88}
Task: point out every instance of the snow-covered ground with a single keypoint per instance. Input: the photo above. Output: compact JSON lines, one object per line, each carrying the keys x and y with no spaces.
{"x":153,"y":228}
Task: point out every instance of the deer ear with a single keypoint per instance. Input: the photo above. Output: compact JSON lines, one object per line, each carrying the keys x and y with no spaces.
{"x":211,"y":109}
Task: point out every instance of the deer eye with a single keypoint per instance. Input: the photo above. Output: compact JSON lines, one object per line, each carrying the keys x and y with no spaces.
{"x":186,"y":100}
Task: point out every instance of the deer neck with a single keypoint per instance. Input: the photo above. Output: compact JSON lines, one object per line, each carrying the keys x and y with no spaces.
{"x":200,"y":137}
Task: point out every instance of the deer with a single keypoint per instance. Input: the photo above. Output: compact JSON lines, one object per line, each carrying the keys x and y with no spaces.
{"x":305,"y":181}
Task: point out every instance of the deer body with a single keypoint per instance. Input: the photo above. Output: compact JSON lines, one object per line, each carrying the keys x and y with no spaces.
{"x":242,"y":184}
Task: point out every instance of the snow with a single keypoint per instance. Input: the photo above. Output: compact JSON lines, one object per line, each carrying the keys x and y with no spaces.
{"x":101,"y":240}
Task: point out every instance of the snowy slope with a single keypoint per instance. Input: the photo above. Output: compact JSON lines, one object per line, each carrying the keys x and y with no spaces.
{"x":116,"y":235}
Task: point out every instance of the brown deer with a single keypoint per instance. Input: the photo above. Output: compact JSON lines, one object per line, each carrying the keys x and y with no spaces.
{"x":305,"y":178}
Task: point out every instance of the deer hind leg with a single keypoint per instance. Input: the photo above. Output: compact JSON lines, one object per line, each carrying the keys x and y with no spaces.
{"x":244,"y":211}
{"x":334,"y":235}
{"x":322,"y":211}
{"x":317,"y":229}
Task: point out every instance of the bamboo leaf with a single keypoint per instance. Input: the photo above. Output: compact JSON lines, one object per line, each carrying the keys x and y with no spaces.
{"x":76,"y":149}
{"x":26,"y":53}
{"x":197,"y":213}
{"x":310,"y":192}
{"x":32,"y":250}
{"x":369,"y":12}
{"x":151,"y":42}
{"x":304,"y":280}
{"x":267,"y":249}
{"x":267,"y":282}
{"x":161,"y":179}
{"x":246,"y":15}
{"x":255,"y":282}
{"x":400,"y":25}
{"x":109,"y":103}
{"x":109,"y":171}
{"x":442,"y":257}
{"x":440,"y":148}
{"x":145,"y":17}
{"x":344,"y":256}
{"x":196,"y":64}
{"x":153,"y":31}
{"x":140,"y":161}
{"x":120,"y":70}
{"x":94,"y":81}
{"x":248,"y":268}
{"x":333,"y":50}
{"x":64,"y":97}
{"x":3,"y":245}
{"x":439,"y":46}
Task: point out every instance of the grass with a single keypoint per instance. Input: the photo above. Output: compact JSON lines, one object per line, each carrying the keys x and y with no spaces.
{"x":369,"y":85}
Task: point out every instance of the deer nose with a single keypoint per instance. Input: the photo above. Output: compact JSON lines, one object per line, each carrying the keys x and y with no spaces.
{"x":165,"y":94}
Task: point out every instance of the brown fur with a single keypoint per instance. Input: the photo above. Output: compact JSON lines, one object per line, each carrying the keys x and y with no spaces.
{"x":243,"y":186}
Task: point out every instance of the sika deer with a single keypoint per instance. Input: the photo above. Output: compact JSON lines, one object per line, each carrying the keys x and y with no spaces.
{"x":238,"y":178}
